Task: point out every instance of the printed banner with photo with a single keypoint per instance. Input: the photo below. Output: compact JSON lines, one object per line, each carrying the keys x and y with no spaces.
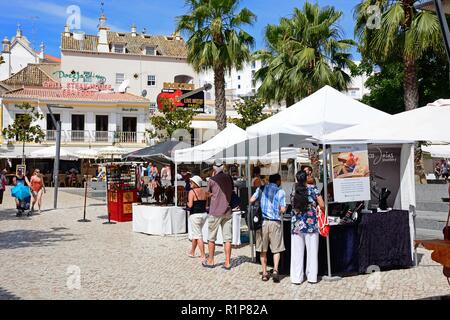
{"x":351,"y":174}
{"x":384,"y":164}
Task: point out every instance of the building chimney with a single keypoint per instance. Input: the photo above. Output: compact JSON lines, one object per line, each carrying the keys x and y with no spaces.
{"x":42,"y":54}
{"x":67,"y":30}
{"x":18,"y":32}
{"x":103,"y":45}
{"x":177,"y":36}
{"x":133,"y":30}
{"x":6,"y":45}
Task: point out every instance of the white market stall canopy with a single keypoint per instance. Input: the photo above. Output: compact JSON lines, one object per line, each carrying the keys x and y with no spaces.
{"x":112,"y":151}
{"x":428,"y":123}
{"x":286,"y":154}
{"x":325,"y":111}
{"x":231,"y":135}
{"x":437,"y":150}
{"x":50,"y":152}
{"x":86,"y":153}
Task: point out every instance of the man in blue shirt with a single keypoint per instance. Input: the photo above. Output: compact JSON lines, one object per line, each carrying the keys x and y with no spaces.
{"x":273,"y":204}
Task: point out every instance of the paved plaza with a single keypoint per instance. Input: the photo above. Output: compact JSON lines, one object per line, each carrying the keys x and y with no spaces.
{"x":52,"y":256}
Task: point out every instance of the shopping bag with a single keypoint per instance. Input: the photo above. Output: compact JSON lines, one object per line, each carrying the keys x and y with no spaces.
{"x":322,"y":221}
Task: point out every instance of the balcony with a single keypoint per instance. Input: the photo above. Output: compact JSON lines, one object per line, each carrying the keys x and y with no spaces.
{"x":88,"y":136}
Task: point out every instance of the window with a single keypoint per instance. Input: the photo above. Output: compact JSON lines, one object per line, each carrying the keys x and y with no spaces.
{"x":119,"y":48}
{"x":150,"y":51}
{"x":239,"y":77}
{"x":151,"y":80}
{"x":120,"y":77}
{"x":253,"y":65}
{"x":239,"y":86}
{"x":152,"y":108}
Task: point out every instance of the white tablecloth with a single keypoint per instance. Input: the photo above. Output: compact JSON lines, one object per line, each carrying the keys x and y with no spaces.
{"x":236,"y":230}
{"x":158,"y":220}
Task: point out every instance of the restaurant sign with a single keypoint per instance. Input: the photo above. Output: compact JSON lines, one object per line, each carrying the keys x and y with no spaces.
{"x":182,"y":95}
{"x":84,"y":76}
{"x":77,"y":89}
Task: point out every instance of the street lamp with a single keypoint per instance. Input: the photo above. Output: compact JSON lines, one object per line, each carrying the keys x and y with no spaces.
{"x":57,"y":125}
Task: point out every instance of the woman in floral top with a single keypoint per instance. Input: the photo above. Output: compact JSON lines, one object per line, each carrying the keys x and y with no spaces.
{"x":304,"y":229}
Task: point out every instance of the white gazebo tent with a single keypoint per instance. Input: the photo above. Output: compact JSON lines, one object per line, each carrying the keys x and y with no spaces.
{"x":438,"y":150}
{"x":87,"y":153}
{"x":423,"y":124}
{"x":50,"y":152}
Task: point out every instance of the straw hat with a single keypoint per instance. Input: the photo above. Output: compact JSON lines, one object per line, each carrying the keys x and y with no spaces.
{"x":197,"y":180}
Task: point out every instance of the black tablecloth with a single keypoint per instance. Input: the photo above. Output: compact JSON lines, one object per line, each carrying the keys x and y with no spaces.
{"x":381,"y":239}
{"x":385,"y":240}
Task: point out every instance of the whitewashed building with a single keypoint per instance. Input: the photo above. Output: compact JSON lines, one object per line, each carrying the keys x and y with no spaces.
{"x":18,"y":53}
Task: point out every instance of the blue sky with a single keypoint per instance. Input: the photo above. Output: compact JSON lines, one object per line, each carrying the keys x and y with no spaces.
{"x":43,"y":20}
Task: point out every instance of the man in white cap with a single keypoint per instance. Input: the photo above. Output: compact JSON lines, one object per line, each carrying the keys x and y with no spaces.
{"x":220,"y":186}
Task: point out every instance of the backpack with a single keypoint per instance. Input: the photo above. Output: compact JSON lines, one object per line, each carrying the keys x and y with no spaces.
{"x":255,"y":214}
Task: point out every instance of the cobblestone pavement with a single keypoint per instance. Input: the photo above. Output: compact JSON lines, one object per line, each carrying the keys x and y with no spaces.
{"x":41,"y":255}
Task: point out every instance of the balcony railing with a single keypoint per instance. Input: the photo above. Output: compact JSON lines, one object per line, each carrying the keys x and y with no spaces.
{"x":88,"y":136}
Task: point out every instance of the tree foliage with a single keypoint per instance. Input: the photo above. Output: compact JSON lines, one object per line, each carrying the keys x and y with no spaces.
{"x":304,"y":53}
{"x":217,"y":41}
{"x":170,"y":119}
{"x":251,"y":111}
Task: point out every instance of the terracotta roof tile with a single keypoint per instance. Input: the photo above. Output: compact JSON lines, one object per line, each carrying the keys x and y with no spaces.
{"x":31,"y":75}
{"x":62,"y":95}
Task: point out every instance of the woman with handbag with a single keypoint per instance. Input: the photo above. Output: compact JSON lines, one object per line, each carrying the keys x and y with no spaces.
{"x":305,"y":230}
{"x":197,"y":201}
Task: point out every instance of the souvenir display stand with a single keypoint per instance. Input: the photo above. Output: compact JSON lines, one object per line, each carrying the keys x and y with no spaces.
{"x":121,"y":190}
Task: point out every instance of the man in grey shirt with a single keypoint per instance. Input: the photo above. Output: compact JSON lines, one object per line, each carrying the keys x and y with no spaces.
{"x":220,"y":187}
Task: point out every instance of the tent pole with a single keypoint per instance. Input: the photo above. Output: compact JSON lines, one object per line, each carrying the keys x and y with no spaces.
{"x":325,"y":195}
{"x":249,"y":194}
{"x":279,"y":160}
{"x":176,"y":184}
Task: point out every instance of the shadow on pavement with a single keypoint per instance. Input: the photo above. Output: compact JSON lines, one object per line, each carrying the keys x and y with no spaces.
{"x":6,"y":295}
{"x":14,"y":239}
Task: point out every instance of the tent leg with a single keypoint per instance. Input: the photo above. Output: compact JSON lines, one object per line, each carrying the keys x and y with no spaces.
{"x":329,"y":277}
{"x":176,"y":184}
{"x":416,"y":259}
{"x":249,"y":194}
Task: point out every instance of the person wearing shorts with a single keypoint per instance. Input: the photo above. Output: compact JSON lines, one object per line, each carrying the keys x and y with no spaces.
{"x":197,"y":200}
{"x":220,"y":187}
{"x":2,"y":184}
{"x":273,"y":204}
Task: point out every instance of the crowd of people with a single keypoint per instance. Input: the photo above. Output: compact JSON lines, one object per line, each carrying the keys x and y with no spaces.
{"x":216,"y":200}
{"x":441,"y":170}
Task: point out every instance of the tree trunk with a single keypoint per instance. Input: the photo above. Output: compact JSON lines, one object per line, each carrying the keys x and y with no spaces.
{"x":410,"y":85}
{"x":418,"y":164}
{"x":314,"y":158}
{"x":221,"y":103}
{"x":289,"y":101}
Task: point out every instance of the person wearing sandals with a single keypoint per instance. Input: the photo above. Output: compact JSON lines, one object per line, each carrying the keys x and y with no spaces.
{"x":37,"y":189}
{"x":3,"y":183}
{"x":304,"y":230}
{"x":273,"y":204}
{"x":197,"y":199}
{"x":220,"y":188}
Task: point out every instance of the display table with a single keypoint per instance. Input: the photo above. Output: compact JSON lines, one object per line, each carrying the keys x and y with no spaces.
{"x":157,"y":220}
{"x":236,"y":230}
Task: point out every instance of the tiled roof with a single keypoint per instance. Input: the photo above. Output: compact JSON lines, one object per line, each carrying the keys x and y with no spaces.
{"x":61,"y":95}
{"x":165,"y":46}
{"x":50,"y":58}
{"x":32,"y":75}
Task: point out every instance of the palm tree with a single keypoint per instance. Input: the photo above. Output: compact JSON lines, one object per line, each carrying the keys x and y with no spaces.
{"x":403,"y":32}
{"x":305,"y":52}
{"x":217,"y":40}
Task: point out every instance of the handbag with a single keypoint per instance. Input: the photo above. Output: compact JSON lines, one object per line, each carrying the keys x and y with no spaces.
{"x":322,"y":222}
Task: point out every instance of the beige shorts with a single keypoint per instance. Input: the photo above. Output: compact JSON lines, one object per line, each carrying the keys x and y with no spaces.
{"x":197,"y":221}
{"x":226,"y":222}
{"x":270,"y":233}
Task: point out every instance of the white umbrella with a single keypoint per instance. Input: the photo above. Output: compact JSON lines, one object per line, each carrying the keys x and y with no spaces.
{"x":112,"y":151}
{"x":87,"y":153}
{"x":50,"y":152}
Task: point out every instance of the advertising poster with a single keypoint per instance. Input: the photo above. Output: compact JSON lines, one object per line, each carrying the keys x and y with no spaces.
{"x":351,"y":174}
{"x":384,"y":164}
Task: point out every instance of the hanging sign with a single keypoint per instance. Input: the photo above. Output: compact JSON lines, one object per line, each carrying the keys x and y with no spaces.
{"x":351,"y":174}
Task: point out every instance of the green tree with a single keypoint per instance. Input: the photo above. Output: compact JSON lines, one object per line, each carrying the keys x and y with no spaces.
{"x":403,"y":31}
{"x":169,"y":120}
{"x":23,"y":129}
{"x":251,"y":111}
{"x":304,"y":53}
{"x":217,"y":40}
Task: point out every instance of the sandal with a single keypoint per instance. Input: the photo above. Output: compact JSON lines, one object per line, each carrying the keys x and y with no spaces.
{"x":207,"y":265}
{"x":265,"y":277}
{"x":190,"y":255}
{"x":275,"y":277}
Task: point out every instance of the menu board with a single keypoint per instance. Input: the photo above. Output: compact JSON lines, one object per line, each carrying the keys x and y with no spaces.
{"x":121,"y":177}
{"x":351,"y":174}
